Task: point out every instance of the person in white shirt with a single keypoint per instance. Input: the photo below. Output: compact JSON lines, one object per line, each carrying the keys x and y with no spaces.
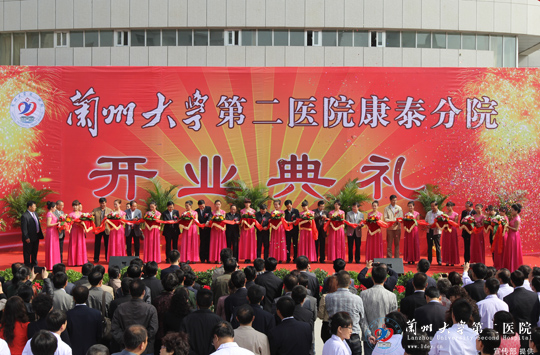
{"x":458,"y":339}
{"x":491,"y":304}
{"x":503,"y":275}
{"x":397,"y":323}
{"x":57,"y":322}
{"x":341,"y":329}
{"x":223,"y":340}
{"x":434,"y":234}
{"x":4,"y":349}
{"x":415,"y":343}
{"x":248,"y":338}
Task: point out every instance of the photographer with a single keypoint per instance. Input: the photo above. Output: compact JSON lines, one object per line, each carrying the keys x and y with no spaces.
{"x":390,"y":282}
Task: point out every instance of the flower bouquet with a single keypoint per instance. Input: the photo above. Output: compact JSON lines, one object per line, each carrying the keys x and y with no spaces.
{"x":248,"y":215}
{"x":151,"y":216}
{"x":114,"y":220}
{"x":114,"y":216}
{"x":498,"y":221}
{"x":409,"y":222}
{"x":374,"y":224}
{"x":308,"y":216}
{"x":336,"y":216}
{"x":373,"y":219}
{"x":151,"y":219}
{"x":487,"y":224}
{"x":218,"y":217}
{"x":186,"y":216}
{"x":87,"y":221}
{"x":86,"y":217}
{"x":468,"y":224}
{"x":276,"y":215}
{"x":64,"y":221}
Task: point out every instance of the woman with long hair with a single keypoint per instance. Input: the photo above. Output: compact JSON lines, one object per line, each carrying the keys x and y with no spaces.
{"x":52,"y":239}
{"x":513,"y":255}
{"x":152,"y":236}
{"x":450,"y":246}
{"x":117,"y":239}
{"x":178,"y":309}
{"x":331,"y":287}
{"x":77,"y":239}
{"x":14,"y":324}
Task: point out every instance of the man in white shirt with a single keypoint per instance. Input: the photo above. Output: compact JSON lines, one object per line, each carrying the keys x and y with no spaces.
{"x":391,"y":213}
{"x":458,"y":339}
{"x":434,"y":234}
{"x":503,"y":275}
{"x":223,"y":340}
{"x":527,"y":271}
{"x":57,"y":323}
{"x":248,"y":338}
{"x":491,"y":304}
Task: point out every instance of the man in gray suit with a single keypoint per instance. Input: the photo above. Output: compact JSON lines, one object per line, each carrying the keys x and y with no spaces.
{"x":354,"y":235}
{"x":61,"y":300}
{"x":135,"y":340}
{"x":133,"y":232}
{"x":59,"y":212}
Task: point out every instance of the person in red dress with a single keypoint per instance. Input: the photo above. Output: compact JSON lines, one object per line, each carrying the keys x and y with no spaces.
{"x":478,"y":248}
{"x":411,"y":252}
{"x":450,"y":246}
{"x":513,"y":255}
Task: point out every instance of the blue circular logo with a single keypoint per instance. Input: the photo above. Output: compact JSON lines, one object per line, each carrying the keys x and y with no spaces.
{"x":27,"y":109}
{"x":383,"y":334}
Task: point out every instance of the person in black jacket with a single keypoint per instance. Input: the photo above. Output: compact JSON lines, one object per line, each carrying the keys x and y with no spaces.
{"x":423,"y":267}
{"x":291,"y":214}
{"x":84,"y":323}
{"x":264,"y":321}
{"x":390,"y":282}
{"x":290,"y":337}
{"x":31,"y":234}
{"x":270,"y":282}
{"x":417,"y":299}
{"x":204,"y":214}
{"x":170,"y":231}
{"x":468,"y":211}
{"x":433,"y":314}
{"x":263,"y":236}
{"x":239,"y":297}
{"x":42,"y":305}
{"x":302,"y":265}
{"x":150,"y":279}
{"x":233,"y":230}
{"x":476,"y":289}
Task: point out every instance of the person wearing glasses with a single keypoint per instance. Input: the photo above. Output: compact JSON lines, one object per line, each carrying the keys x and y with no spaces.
{"x":341,"y":328}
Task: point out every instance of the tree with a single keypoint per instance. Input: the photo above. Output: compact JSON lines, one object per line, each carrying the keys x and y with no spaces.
{"x":159,"y":195}
{"x":238,"y":192}
{"x":15,"y":202}
{"x":429,"y":194}
{"x":348,"y":195}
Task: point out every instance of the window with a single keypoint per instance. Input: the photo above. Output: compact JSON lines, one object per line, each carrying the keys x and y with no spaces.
{"x":249,"y":38}
{"x":137,"y":38}
{"x":200,"y":37}
{"x":454,"y":41}
{"x":32,"y":40}
{"x":232,"y":38}
{"x":185,"y":38}
{"x":296,"y":38}
{"x":313,"y":38}
{"x":106,"y":38}
{"x":482,"y":42}
{"x":122,"y":38}
{"x":408,"y":39}
{"x":361,"y":38}
{"x":329,"y":38}
{"x":376,"y":39}
{"x":345,"y":38}
{"x":153,"y":38}
{"x":168,"y":37}
{"x":423,"y":40}
{"x":5,"y":48}
{"x":76,"y":39}
{"x":497,"y":48}
{"x":509,"y":47}
{"x":47,"y":40}
{"x":264,"y":37}
{"x":281,"y":38}
{"x":439,"y":40}
{"x":61,"y":39}
{"x":18,"y":44}
{"x":216,"y":38}
{"x":91,"y":39}
{"x":393,"y":39}
{"x":468,"y":41}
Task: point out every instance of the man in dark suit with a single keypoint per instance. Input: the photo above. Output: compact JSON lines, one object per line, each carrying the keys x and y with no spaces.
{"x":320,"y":214}
{"x":524,"y":306}
{"x":390,"y":282}
{"x":476,"y":289}
{"x":290,"y":337}
{"x":86,"y":269}
{"x":31,"y":234}
{"x":301,"y":313}
{"x":84,"y":323}
{"x":133,"y":232}
{"x":232,"y":231}
{"x":302,"y":265}
{"x":100,"y":213}
{"x":432,"y":315}
{"x":150,"y":280}
{"x":270,"y":282}
{"x":417,"y":299}
{"x":239,"y":297}
{"x":291,"y":214}
{"x":198,"y":325}
{"x":204,"y":214}
{"x":170,"y":231}
{"x":125,"y":297}
{"x":263,"y":237}
{"x":174,"y":257}
{"x":264,"y":321}
{"x":468,"y":211}
{"x":423,"y":267}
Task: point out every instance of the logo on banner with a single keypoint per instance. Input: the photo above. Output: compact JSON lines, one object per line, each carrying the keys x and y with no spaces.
{"x":27,"y":109}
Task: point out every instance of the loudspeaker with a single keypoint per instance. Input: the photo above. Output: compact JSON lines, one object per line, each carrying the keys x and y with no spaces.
{"x":120,"y":261}
{"x":395,"y":264}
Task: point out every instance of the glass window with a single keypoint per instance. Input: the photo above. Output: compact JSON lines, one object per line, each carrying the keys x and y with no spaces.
{"x":296,"y":38}
{"x":248,"y":38}
{"x":468,"y":41}
{"x":454,"y":41}
{"x":168,"y":37}
{"x":122,"y":38}
{"x":439,"y":40}
{"x":281,"y":38}
{"x":153,"y":38}
{"x":200,"y":37}
{"x":18,"y":44}
{"x":392,"y":39}
{"x":497,"y":48}
{"x":345,"y":38}
{"x":106,"y":38}
{"x":361,"y":38}
{"x":329,"y":38}
{"x":423,"y":39}
{"x":61,"y":39}
{"x":76,"y":39}
{"x":264,"y":37}
{"x":482,"y":42}
{"x":408,"y":39}
{"x":47,"y":40}
{"x":137,"y":38}
{"x":509,"y":58}
{"x":5,"y":48}
{"x":185,"y":37}
{"x":90,"y":38}
{"x":217,"y":38}
{"x":32,"y":40}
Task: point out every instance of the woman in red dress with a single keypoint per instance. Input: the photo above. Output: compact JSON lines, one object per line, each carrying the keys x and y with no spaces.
{"x":306,"y":241}
{"x":478,"y":248}
{"x":117,"y":239}
{"x":336,"y":236}
{"x":248,"y":241}
{"x":278,"y":245}
{"x":152,"y":237}
{"x":14,"y":324}
{"x":411,"y":253}
{"x":513,"y":255}
{"x":499,"y":240}
{"x":218,"y":237}
{"x":189,"y":248}
{"x":77,"y":239}
{"x":52,"y":241}
{"x":450,"y":246}
{"x":374,"y":242}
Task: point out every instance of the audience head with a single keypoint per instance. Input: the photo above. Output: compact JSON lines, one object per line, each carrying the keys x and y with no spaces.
{"x":270,"y":264}
{"x":443,"y":285}
{"x":58,"y":268}
{"x":180,"y":303}
{"x":15,"y":267}
{"x":339,"y":264}
{"x":378,"y":274}
{"x":258,"y":264}
{"x":396,"y":321}
{"x":124,"y":285}
{"x":504,"y":276}
{"x":534,"y":341}
{"x":479,"y":271}
{"x":170,"y":282}
{"x":150,"y":269}
{"x":60,"y":280}
{"x":43,"y":343}
{"x":43,"y":303}
{"x":99,"y":268}
{"x":223,"y":332}
{"x":491,"y":272}
{"x":56,"y":321}
{"x":238,"y":279}
{"x":255,"y":294}
{"x":285,"y":307}
{"x":114,"y":272}
{"x":416,"y":343}
{"x":299,"y":294}
{"x":343,"y":279}
{"x":174,"y":256}
{"x":461,"y":311}
{"x":137,"y":261}
{"x":245,"y":314}
{"x":517,"y":278}
{"x":491,"y":286}
{"x":135,"y":339}
{"x":26,"y":293}
{"x":229,"y":265}
{"x":180,"y":275}
{"x":224,"y":254}
{"x":505,"y":324}
{"x":535,"y":284}
{"x":137,"y":288}
{"x":176,"y":343}
{"x":526,"y":270}
{"x":302,"y":263}
{"x":303,"y":279}
{"x":250,"y":272}
{"x":134,"y":271}
{"x":487,"y":341}
{"x":455,"y":278}
{"x":95,"y":278}
{"x":341,"y":325}
{"x":332,"y":284}
{"x":204,"y":298}
{"x":14,"y":311}
{"x":289,"y":281}
{"x":86,"y":269}
{"x":432,"y":293}
{"x":189,"y":278}
{"x":80,"y":294}
{"x":423,"y":265}
{"x":98,"y":349}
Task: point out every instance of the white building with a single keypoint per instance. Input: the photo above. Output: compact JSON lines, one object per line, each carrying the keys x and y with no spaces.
{"x":396,"y":33}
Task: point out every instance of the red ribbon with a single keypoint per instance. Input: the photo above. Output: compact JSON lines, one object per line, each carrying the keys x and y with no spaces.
{"x":312,"y":227}
{"x":498,"y":240}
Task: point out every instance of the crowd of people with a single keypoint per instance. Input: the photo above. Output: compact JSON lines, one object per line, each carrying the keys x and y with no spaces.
{"x":145,"y":310}
{"x":281,"y":234}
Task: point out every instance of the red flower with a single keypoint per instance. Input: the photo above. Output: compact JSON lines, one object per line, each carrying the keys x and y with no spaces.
{"x":357,"y":286}
{"x":399,"y":288}
{"x":206,"y":287}
{"x":37,"y":286}
{"x":363,"y":288}
{"x":320,"y":288}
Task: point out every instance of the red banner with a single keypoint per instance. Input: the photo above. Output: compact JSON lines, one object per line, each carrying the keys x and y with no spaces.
{"x":90,"y":132}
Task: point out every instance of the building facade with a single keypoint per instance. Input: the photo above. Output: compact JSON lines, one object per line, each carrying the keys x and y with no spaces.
{"x":375,"y":33}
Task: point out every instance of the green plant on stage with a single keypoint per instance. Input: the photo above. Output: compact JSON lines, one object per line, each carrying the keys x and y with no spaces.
{"x":347,"y":195}
{"x":74,"y":276}
{"x":321,"y":275}
{"x":2,"y":225}
{"x":15,"y":201}
{"x":429,"y":194}
{"x":159,"y":195}
{"x":403,"y":279}
{"x":238,"y":192}
{"x":204,"y":278}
